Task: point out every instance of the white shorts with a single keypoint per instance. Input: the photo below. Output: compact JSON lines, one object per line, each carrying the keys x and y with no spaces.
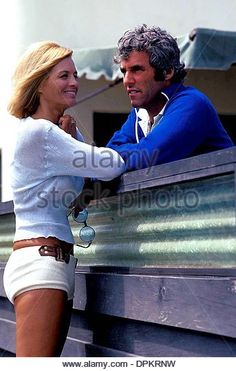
{"x":27,"y":270}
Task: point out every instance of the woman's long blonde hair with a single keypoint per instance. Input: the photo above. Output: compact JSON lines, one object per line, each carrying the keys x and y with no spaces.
{"x":32,"y":69}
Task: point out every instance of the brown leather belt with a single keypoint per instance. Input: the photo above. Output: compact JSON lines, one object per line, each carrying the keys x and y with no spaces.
{"x":56,"y":251}
{"x":50,"y":246}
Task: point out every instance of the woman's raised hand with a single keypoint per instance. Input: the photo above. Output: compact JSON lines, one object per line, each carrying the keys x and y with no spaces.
{"x":68,"y":124}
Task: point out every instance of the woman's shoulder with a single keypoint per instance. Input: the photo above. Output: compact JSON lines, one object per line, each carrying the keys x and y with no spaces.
{"x":35,"y":130}
{"x":32,"y":134}
{"x":35,"y":125}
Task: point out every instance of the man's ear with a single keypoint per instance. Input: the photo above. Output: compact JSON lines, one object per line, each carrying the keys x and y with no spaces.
{"x":169,"y":74}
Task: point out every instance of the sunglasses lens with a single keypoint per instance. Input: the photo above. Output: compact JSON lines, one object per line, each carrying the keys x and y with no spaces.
{"x":87,"y":234}
{"x":81,"y":217}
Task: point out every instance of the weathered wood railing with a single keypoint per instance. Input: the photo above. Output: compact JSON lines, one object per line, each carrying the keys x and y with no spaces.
{"x":160,"y":277}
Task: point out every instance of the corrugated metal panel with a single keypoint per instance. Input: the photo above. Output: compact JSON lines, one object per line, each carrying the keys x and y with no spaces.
{"x":7,"y":229}
{"x":191,"y":224}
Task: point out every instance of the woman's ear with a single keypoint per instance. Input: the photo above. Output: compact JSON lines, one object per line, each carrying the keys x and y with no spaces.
{"x":40,"y":87}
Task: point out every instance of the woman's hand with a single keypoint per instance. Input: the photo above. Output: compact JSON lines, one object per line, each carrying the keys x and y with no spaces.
{"x":68,"y":124}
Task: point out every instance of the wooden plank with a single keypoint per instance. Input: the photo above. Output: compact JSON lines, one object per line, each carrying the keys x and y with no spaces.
{"x":157,"y":180}
{"x":201,"y":162}
{"x":7,"y":328}
{"x":206,"y":304}
{"x":165,"y":271}
{"x":6,"y":207}
{"x":7,"y":309}
{"x":147,"y":339}
{"x":7,"y":335}
{"x":95,"y":335}
{"x":75,"y":348}
{"x":2,"y":291}
{"x":186,"y":169}
{"x":5,"y":353}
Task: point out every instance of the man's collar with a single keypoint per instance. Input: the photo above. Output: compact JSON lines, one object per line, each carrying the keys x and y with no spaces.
{"x":143,"y":118}
{"x":143,"y":115}
{"x":172,"y":89}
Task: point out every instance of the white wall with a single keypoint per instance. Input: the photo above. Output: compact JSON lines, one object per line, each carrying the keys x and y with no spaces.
{"x":92,"y":23}
{"x":9,"y":52}
{"x":80,"y":23}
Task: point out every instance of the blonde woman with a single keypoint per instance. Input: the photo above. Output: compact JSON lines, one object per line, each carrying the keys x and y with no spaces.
{"x":47,"y":172}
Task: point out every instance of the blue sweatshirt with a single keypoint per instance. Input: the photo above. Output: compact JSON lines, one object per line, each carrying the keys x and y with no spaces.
{"x":189,"y":125}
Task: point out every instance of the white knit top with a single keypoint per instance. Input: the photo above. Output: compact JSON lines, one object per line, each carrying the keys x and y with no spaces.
{"x":47,"y":174}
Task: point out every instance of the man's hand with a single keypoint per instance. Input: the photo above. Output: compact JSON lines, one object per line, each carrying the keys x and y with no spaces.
{"x":68,"y":124}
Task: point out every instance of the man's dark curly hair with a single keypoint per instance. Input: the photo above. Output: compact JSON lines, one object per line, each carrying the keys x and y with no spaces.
{"x":162,"y":48}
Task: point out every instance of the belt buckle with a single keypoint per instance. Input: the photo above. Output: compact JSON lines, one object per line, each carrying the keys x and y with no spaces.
{"x":62,"y":256}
